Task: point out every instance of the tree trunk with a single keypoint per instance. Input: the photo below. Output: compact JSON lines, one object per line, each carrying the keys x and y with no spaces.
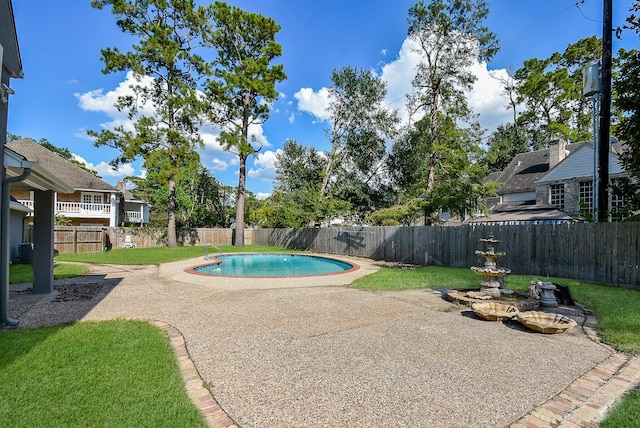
{"x":172,"y":240}
{"x":242,"y":184}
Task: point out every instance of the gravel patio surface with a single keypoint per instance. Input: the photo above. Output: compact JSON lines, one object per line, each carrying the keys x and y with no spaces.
{"x":313,"y":352}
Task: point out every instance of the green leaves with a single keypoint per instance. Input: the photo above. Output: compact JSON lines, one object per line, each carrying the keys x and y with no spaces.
{"x":551,"y":91}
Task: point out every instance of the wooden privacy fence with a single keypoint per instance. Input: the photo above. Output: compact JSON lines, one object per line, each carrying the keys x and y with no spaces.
{"x":606,"y":253}
{"x":144,"y":237}
{"x":75,"y":239}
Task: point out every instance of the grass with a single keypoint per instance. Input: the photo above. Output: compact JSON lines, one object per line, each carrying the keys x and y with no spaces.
{"x":158,"y":255}
{"x":21,"y":273}
{"x":110,"y":373}
{"x":625,"y":414}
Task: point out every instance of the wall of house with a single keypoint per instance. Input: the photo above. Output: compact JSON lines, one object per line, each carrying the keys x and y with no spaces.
{"x":75,"y":221}
{"x":16,"y":237}
{"x":571,"y":192}
{"x":21,"y":194}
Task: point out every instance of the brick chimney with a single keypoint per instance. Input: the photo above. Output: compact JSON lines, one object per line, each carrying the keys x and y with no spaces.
{"x":557,"y":152}
{"x":122,"y":186}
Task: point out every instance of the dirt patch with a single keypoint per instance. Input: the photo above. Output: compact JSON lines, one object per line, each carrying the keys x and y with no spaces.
{"x":72,"y":292}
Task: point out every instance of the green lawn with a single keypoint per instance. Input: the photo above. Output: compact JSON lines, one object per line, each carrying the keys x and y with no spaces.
{"x":20,"y":273}
{"x":158,"y":255}
{"x":112,"y":373}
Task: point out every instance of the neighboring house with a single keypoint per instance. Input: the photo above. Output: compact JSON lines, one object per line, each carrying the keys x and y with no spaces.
{"x":569,"y":186}
{"x":546,"y":186}
{"x":134,"y":209}
{"x":93,"y":202}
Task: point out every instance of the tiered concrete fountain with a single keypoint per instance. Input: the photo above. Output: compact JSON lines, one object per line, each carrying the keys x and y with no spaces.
{"x":490,"y":271}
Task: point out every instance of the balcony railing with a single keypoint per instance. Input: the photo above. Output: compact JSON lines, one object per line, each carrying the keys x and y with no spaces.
{"x":133,"y":216}
{"x":76,"y":208}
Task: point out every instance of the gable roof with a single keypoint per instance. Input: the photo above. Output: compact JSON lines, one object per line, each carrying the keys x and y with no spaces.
{"x":580,"y":163}
{"x":527,"y":168}
{"x":130,"y":197}
{"x":61,"y":168}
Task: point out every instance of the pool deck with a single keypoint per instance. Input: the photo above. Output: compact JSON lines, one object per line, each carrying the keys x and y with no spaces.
{"x":314,"y":352}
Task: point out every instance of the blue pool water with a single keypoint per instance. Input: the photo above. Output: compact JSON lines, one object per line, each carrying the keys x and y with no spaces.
{"x":273,"y":265}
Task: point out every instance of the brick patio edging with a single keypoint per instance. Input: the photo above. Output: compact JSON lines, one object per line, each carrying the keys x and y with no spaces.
{"x":585,"y":402}
{"x":199,"y":395}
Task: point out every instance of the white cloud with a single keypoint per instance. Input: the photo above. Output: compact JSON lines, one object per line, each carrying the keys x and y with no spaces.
{"x":398,"y":74}
{"x":264,"y":165}
{"x":262,"y":196}
{"x":106,"y":171}
{"x":487,"y":99}
{"x":99,"y":101}
{"x":292,"y":118}
{"x":315,"y":103}
{"x":217,"y":164}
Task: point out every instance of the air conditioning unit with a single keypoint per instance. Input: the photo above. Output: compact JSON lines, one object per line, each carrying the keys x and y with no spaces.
{"x":25,"y":253}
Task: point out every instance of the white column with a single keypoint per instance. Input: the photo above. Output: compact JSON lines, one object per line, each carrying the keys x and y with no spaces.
{"x":113,"y":215}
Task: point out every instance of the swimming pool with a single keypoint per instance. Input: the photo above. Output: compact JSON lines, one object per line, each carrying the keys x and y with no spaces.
{"x":272,"y":265}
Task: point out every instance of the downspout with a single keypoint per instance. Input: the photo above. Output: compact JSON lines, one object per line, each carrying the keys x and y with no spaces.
{"x":4,"y":247}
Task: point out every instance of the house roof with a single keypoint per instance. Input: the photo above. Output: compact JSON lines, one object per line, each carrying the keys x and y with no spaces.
{"x":9,"y":40}
{"x":64,"y":170}
{"x":525,"y":169}
{"x":16,"y":206}
{"x":130,"y":197}
{"x":39,"y":178}
{"x":526,"y":214}
{"x":580,"y":164}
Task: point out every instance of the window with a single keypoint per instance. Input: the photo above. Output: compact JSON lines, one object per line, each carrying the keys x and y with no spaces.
{"x":92,"y":198}
{"x":92,"y":201}
{"x":586,"y":195}
{"x":557,"y":195}
{"x":617,"y":203}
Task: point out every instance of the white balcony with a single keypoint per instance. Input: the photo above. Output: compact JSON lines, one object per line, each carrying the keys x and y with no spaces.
{"x":77,"y":209}
{"x":133,"y":216}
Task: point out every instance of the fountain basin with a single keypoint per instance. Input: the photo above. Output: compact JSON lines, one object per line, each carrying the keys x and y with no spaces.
{"x":494,"y":311}
{"x":544,"y":322}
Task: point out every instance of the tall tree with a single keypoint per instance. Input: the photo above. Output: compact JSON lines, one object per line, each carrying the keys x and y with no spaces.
{"x":550,"y":90}
{"x":503,"y":144}
{"x":360,"y":127}
{"x":450,"y":36}
{"x":296,"y":200}
{"x":298,"y":166}
{"x":243,"y":84}
{"x":166,"y":32}
{"x":459,"y":172}
{"x":626,"y":85}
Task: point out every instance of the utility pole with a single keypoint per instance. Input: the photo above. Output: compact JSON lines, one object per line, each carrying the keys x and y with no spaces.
{"x":605,"y":113}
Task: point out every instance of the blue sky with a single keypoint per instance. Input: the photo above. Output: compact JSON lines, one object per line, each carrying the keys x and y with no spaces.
{"x":64,"y":93}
